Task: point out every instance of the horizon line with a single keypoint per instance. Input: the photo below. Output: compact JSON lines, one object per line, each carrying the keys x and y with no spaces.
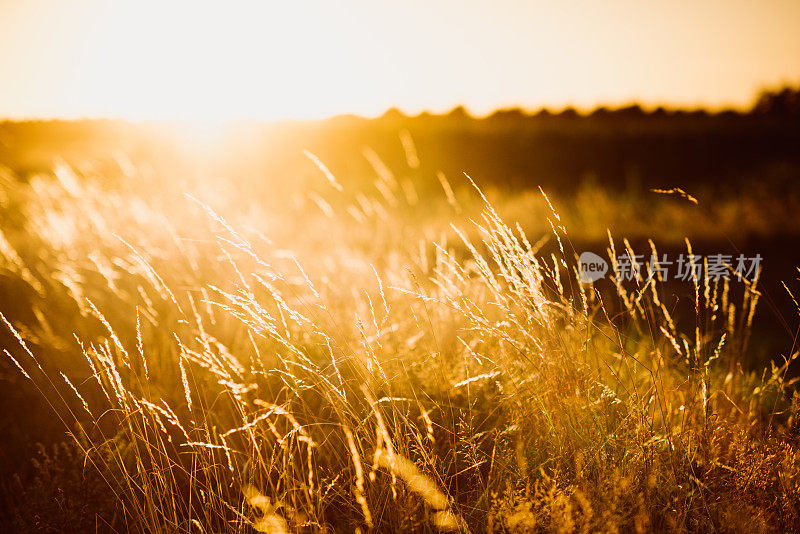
{"x":583,"y":110}
{"x":529,"y":111}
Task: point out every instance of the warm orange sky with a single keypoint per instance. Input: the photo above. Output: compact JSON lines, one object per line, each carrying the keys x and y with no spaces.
{"x":266,"y":60}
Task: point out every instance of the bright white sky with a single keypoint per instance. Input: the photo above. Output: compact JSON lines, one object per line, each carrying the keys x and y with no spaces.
{"x":295,"y":59}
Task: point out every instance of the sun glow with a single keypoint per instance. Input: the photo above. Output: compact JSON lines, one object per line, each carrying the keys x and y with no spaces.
{"x":309,"y":59}
{"x":196,"y":62}
{"x":201,"y":64}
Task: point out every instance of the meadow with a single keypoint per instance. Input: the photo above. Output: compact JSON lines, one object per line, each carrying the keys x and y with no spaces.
{"x":380,"y":325}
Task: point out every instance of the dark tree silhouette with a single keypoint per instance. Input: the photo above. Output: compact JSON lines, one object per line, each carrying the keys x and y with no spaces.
{"x":785,"y":101}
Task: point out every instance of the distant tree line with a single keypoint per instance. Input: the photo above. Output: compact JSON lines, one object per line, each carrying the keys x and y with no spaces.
{"x":783,"y":102}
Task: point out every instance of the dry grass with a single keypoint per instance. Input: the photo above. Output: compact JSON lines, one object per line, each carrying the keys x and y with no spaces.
{"x":346,"y":366}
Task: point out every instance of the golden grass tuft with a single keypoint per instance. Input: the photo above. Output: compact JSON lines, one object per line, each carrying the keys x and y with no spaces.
{"x":391,"y":372}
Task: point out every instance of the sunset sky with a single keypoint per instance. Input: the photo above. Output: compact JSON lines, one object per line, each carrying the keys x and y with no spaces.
{"x":300,"y":59}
